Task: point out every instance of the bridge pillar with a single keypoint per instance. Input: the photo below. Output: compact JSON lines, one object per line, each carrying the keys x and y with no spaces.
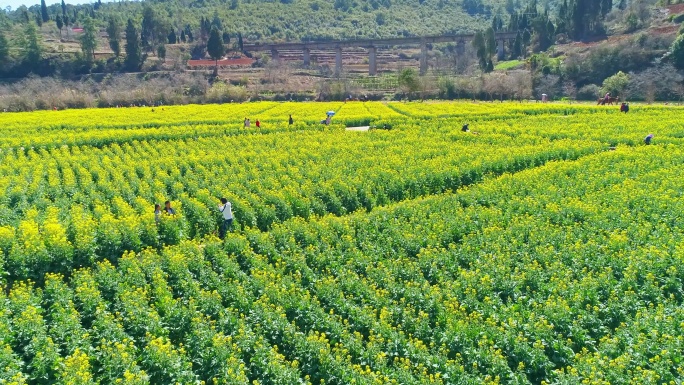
{"x":372,"y":61}
{"x":423,"y":57}
{"x":274,"y":55}
{"x":500,"y":49}
{"x":338,"y":61}
{"x":307,"y":57}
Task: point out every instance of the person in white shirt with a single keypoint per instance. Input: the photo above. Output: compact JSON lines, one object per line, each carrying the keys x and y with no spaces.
{"x":226,"y":210}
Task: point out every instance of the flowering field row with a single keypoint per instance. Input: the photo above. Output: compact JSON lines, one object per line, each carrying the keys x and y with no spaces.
{"x":68,"y":206}
{"x":566,"y":273}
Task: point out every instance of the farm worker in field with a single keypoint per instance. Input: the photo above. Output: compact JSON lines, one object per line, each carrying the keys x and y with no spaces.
{"x":327,"y":120}
{"x":226,"y":210}
{"x":246,"y":123}
{"x":258,"y":123}
{"x":624,"y":107}
{"x":648,"y":139}
{"x":157,"y":212}
{"x":465,"y":128}
{"x":290,"y":121}
{"x":168,"y":209}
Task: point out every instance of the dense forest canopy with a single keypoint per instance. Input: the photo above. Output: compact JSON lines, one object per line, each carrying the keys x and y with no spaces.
{"x":291,"y":20}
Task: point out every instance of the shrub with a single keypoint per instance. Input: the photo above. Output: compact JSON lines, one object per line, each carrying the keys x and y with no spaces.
{"x":589,"y":92}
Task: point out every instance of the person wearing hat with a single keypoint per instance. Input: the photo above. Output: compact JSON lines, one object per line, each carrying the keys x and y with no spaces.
{"x":648,"y":139}
{"x":226,"y":210}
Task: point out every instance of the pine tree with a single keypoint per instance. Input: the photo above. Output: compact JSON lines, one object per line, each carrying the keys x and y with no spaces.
{"x":133,"y":49}
{"x":510,"y":7}
{"x":161,"y":52}
{"x":577,"y":28}
{"x":33,"y":50}
{"x":148,"y":26}
{"x":216,"y":21}
{"x":677,"y":52}
{"x":67,"y":23}
{"x":114,"y":35}
{"x":44,"y":12}
{"x":188,"y":33}
{"x":60,"y":24}
{"x":215,"y":47}
{"x":490,"y":42}
{"x":89,"y":39}
{"x":517,"y":47}
{"x":172,"y":37}
{"x":205,"y":28}
{"x":182,"y":37}
{"x":4,"y":49}
{"x":561,"y":20}
{"x":482,"y":48}
{"x":606,"y":6}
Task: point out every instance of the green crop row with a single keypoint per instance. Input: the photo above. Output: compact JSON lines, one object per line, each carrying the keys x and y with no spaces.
{"x":69,"y":206}
{"x":566,"y":273}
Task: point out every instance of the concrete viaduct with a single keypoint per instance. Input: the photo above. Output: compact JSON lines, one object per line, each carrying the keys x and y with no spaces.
{"x":372,"y":45}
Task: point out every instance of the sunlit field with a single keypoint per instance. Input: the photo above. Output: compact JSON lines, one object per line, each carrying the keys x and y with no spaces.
{"x":544,"y":245}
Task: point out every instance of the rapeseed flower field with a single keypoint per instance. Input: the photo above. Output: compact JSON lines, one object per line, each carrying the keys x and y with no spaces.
{"x":544,"y":246}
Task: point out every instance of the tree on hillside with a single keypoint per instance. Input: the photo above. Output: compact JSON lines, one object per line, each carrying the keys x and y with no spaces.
{"x":408,"y":80}
{"x":475,"y":7}
{"x":606,"y":6}
{"x":480,"y":49}
{"x":34,"y":50}
{"x":114,"y":35}
{"x":215,"y":47}
{"x":173,"y":39}
{"x":44,"y":12}
{"x":89,"y":39}
{"x":216,"y":21}
{"x":60,"y":24}
{"x":4,"y":49}
{"x":544,"y":32}
{"x":188,"y":33}
{"x":616,"y":84}
{"x":134,"y":57}
{"x":490,"y":42}
{"x":586,"y":18}
{"x":25,"y":17}
{"x":154,"y":30}
{"x":161,"y":52}
{"x":64,"y":8}
{"x":147,"y":30}
{"x":205,"y":29}
{"x":67,"y":23}
{"x":677,"y":52}
{"x":485,"y":47}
